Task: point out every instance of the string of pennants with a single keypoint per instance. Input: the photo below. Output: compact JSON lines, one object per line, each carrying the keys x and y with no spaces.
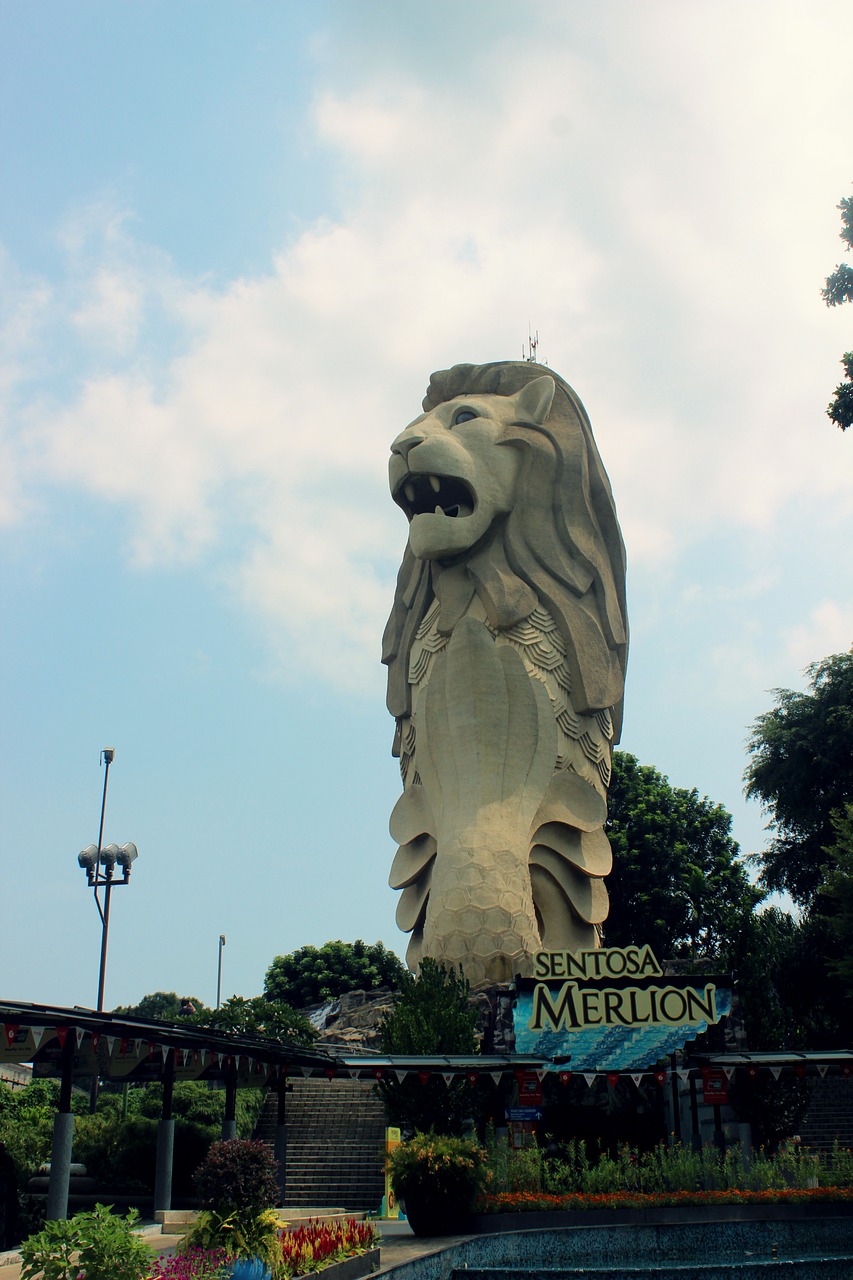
{"x":202,"y":1057}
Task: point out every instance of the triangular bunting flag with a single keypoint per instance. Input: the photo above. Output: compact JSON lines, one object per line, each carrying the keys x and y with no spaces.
{"x":164,"y":1049}
{"x":96,"y":1041}
{"x":729,"y":1071}
{"x":37,"y":1033}
{"x":612,"y":1078}
{"x":124,"y":1045}
{"x":660,"y":1076}
{"x":540,"y":1076}
{"x":423,"y":1076}
{"x":497,"y":1076}
{"x":752,"y":1072}
{"x":447,"y":1077}
{"x":565,"y":1077}
{"x":79,"y":1033}
{"x":401,"y":1075}
{"x":683,"y":1073}
{"x":590,"y":1079}
{"x":11,"y":1029}
{"x":110,"y":1043}
{"x":354,"y":1072}
{"x":306,"y":1071}
{"x":204,"y":1056}
{"x":775,"y":1072}
{"x":799,"y":1070}
{"x":237,"y":1060}
{"x":472,"y":1077}
{"x":62,"y":1036}
{"x":637,"y":1076}
{"x":188,"y":1053}
{"x":378,"y":1073}
{"x":822,"y":1068}
{"x":330,"y":1073}
{"x":845,"y":1070}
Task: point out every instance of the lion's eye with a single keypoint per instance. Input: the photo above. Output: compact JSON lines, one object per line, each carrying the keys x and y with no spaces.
{"x":464,"y":415}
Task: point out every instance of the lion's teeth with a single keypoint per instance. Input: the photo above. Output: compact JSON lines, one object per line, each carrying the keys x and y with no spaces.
{"x":409,"y":491}
{"x":436,"y":483}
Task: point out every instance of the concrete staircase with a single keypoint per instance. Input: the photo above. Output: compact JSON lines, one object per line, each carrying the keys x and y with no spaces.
{"x":335,"y":1143}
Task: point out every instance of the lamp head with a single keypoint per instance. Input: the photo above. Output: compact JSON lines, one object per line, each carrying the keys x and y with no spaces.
{"x":88,"y":859}
{"x":126,"y":856}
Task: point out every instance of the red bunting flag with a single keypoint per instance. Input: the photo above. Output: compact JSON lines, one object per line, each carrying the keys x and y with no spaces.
{"x":378,"y":1073}
{"x":660,"y":1076}
{"x":96,"y":1041}
{"x":11,"y":1029}
{"x":565,"y":1077}
{"x":612,"y":1078}
{"x":845,"y":1070}
{"x":423,"y":1076}
{"x":752,"y":1072}
{"x":330,"y":1073}
{"x":62,"y":1036}
{"x":472,"y":1077}
{"x":799,"y":1070}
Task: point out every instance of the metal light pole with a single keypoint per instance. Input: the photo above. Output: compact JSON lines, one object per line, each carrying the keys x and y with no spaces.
{"x":219,"y":971}
{"x":92,"y":859}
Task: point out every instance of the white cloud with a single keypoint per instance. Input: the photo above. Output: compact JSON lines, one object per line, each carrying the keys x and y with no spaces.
{"x":653,"y":203}
{"x":828,"y":629}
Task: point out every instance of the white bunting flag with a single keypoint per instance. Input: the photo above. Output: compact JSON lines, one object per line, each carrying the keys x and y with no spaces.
{"x":590,"y":1079}
{"x":401,"y":1075}
{"x":540,"y":1076}
{"x":497,"y":1076}
{"x":637,"y":1076}
{"x":447,"y":1077}
{"x":729,"y":1072}
{"x":822,"y":1068}
{"x":79,"y":1033}
{"x":164,"y":1049}
{"x":37,"y":1033}
{"x":683,"y":1074}
{"x":110,"y":1042}
{"x":306,"y":1071}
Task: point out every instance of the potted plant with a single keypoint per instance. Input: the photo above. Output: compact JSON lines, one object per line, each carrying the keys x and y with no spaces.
{"x":437,"y":1179}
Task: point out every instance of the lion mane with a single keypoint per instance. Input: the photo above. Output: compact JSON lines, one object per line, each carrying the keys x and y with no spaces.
{"x":560,"y":545}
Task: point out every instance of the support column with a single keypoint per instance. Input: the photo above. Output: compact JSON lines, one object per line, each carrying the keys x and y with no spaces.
{"x":165,"y":1140}
{"x":280,"y":1149}
{"x":229,"y":1119}
{"x":63,"y":1138}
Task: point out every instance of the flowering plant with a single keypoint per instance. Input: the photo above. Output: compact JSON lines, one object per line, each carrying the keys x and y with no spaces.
{"x":195,"y":1264}
{"x":439,"y":1167}
{"x":533,"y":1201}
{"x":316,"y":1244}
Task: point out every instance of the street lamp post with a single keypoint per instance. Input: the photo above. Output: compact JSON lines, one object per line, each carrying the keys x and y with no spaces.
{"x":219,"y":971}
{"x":100,"y":863}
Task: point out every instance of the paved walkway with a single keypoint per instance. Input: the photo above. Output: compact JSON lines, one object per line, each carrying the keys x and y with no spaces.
{"x":398,"y":1245}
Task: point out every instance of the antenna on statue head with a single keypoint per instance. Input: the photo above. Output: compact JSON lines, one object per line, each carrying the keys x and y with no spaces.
{"x":531,"y":353}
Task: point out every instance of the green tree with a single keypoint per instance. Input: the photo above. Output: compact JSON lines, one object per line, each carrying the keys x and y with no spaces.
{"x":678,"y":882}
{"x":313,"y":974}
{"x":838,"y":289}
{"x":801,"y":770}
{"x":269,"y":1019}
{"x":836,"y":899}
{"x":432,"y":1016}
{"x":161,"y":1004}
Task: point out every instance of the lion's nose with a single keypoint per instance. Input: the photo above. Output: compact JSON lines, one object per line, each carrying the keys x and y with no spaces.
{"x":405,"y":443}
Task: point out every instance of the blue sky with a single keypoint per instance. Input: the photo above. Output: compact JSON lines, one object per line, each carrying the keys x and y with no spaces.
{"x":235,"y":240}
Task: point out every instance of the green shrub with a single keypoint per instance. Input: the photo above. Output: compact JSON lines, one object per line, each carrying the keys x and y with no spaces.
{"x":98,"y":1245}
{"x":238,"y":1176}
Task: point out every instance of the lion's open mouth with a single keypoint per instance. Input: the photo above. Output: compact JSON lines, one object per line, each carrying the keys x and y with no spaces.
{"x":420,"y":495}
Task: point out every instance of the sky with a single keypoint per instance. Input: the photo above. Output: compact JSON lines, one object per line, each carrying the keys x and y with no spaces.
{"x":235,"y":240}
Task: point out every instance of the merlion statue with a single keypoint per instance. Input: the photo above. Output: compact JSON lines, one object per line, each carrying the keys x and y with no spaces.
{"x":506,"y":651}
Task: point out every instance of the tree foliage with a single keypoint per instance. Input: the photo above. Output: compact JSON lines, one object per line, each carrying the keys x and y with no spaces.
{"x":677,"y":881}
{"x":801,"y":770}
{"x":836,"y":900}
{"x":313,"y":974}
{"x":839,"y":289}
{"x":269,"y":1019}
{"x":432,"y":1016}
{"x":161,"y":1004}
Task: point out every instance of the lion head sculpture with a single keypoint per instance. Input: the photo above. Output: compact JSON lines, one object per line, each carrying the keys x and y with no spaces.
{"x":514,"y":558}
